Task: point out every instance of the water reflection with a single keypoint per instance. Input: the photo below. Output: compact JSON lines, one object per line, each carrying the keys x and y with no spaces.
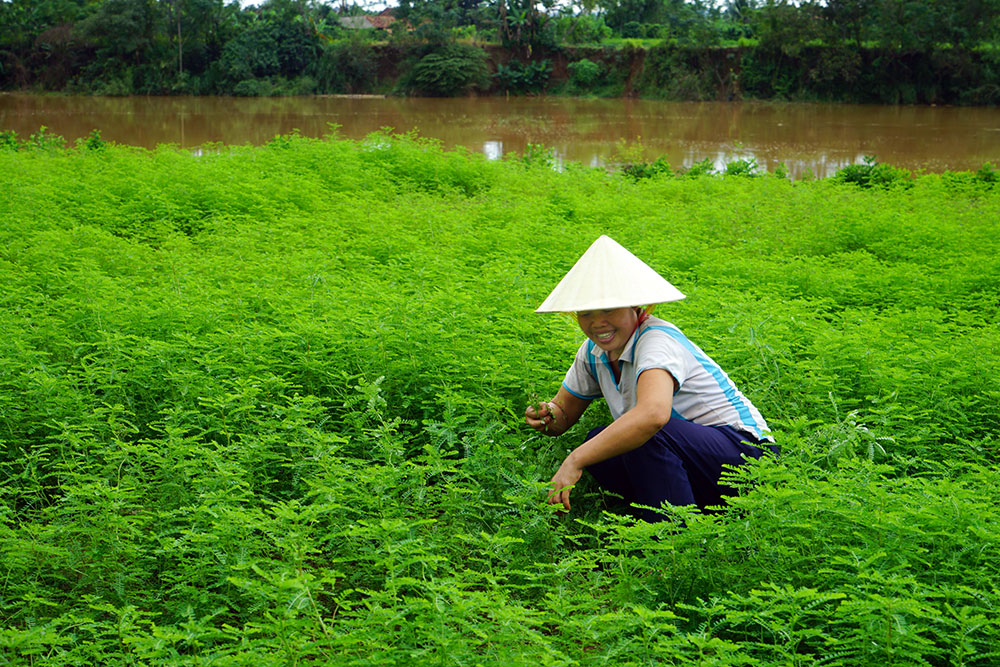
{"x":493,"y":150}
{"x":813,"y":139}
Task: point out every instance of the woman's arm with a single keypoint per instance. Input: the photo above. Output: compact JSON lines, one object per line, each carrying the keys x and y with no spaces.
{"x":558,"y":415}
{"x":654,"y":401}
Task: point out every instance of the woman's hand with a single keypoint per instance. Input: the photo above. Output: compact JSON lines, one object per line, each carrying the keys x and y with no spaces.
{"x":540,"y":417}
{"x":555,"y":417}
{"x":564,"y":480}
{"x":631,"y":430}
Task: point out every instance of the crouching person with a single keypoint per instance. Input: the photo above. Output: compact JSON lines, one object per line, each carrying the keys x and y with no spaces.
{"x":678,"y":418}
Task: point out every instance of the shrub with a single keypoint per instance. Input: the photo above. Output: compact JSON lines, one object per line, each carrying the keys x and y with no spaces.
{"x":253,"y":88}
{"x":585,"y":72}
{"x":872,"y":174}
{"x":583,"y":29}
{"x":747,"y":167}
{"x":45,"y":140}
{"x":92,"y":142}
{"x":657,"y":167}
{"x":633,"y":30}
{"x":9,"y":140}
{"x":346,"y":66}
{"x":702,"y":168}
{"x":517,"y":77}
{"x":987,"y":174}
{"x":454,"y":69}
{"x":536,"y":155}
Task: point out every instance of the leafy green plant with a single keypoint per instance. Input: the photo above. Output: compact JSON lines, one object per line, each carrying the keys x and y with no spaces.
{"x":581,"y":29}
{"x":538,"y":155}
{"x":988,"y":173}
{"x":584,"y":72}
{"x":455,"y":69}
{"x":45,"y":140}
{"x":701,"y":168}
{"x":93,"y":142}
{"x":872,"y":174}
{"x":847,"y":436}
{"x":742,"y":167}
{"x":9,"y":140}
{"x":266,"y":403}
{"x":346,"y":66}
{"x":519,"y":77}
{"x":639,"y":170}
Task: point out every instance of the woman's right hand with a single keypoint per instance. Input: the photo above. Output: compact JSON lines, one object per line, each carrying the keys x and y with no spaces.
{"x":557,"y":416}
{"x":540,"y":416}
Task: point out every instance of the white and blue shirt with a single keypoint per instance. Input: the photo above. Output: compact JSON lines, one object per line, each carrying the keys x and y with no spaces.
{"x":704,"y":394}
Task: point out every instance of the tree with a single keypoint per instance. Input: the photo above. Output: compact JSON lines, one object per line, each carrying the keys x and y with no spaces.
{"x":620,"y":12}
{"x":278,"y":41}
{"x":684,"y":20}
{"x":444,"y":13}
{"x":960,"y":23}
{"x":193,"y":23}
{"x":915,"y":24}
{"x":454,"y":69}
{"x":781,"y":25}
{"x":850,"y":20}
{"x":523,"y":26}
{"x":740,"y":13}
{"x":122,"y":30}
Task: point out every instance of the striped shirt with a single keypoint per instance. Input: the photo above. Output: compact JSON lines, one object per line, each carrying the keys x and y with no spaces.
{"x":704,"y":395}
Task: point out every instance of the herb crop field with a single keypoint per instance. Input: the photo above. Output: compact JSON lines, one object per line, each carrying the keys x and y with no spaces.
{"x":264,"y":406}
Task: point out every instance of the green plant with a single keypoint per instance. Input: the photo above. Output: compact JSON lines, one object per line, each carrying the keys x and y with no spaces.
{"x":519,"y":78}
{"x":988,"y":174}
{"x":9,"y":140}
{"x":847,"y":436}
{"x":538,"y":155}
{"x":93,"y":142}
{"x":701,"y":168}
{"x":639,"y":170}
{"x":266,"y":403}
{"x":455,"y":69}
{"x":871,"y":174}
{"x":742,"y":167}
{"x":45,"y":140}
{"x":581,"y":29}
{"x":584,"y":73}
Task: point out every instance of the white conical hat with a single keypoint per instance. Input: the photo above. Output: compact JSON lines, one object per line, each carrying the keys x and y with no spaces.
{"x":608,"y":276}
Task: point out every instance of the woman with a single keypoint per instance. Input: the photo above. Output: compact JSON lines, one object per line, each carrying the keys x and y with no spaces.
{"x":678,"y":418}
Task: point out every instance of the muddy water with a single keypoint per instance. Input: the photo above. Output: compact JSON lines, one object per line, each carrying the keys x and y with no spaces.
{"x":807,"y":138}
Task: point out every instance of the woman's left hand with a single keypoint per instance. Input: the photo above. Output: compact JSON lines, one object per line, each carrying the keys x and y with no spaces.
{"x":564,"y":480}
{"x":631,"y":430}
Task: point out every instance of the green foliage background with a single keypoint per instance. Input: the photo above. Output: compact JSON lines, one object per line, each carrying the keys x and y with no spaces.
{"x":263,"y":405}
{"x":866,"y":51}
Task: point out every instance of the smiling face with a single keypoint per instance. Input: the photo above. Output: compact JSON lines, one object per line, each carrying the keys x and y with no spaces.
{"x":609,"y":329}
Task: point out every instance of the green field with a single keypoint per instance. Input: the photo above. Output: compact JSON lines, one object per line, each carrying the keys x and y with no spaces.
{"x":263,"y":406}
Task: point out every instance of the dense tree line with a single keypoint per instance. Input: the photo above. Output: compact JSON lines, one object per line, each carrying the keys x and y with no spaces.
{"x":155,"y":46}
{"x":906,"y":24}
{"x":301,"y":46}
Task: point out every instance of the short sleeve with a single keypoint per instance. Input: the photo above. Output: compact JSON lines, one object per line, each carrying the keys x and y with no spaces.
{"x":656,"y":348}
{"x":581,"y":378}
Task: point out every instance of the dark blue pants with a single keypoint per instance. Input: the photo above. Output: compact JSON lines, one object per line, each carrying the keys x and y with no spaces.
{"x":680,"y":465}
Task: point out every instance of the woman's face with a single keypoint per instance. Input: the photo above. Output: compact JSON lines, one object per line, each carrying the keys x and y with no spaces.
{"x":609,"y":329}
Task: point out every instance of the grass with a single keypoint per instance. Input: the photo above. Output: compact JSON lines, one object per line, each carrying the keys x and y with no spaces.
{"x":263,"y":406}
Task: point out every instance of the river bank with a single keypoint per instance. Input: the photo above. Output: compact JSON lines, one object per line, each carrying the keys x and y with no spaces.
{"x":646,"y":69}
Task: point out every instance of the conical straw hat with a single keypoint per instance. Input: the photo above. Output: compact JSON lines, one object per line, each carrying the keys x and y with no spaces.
{"x":608,"y":276}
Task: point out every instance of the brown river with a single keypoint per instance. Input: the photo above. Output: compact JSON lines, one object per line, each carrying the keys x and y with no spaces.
{"x":808,"y":139}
